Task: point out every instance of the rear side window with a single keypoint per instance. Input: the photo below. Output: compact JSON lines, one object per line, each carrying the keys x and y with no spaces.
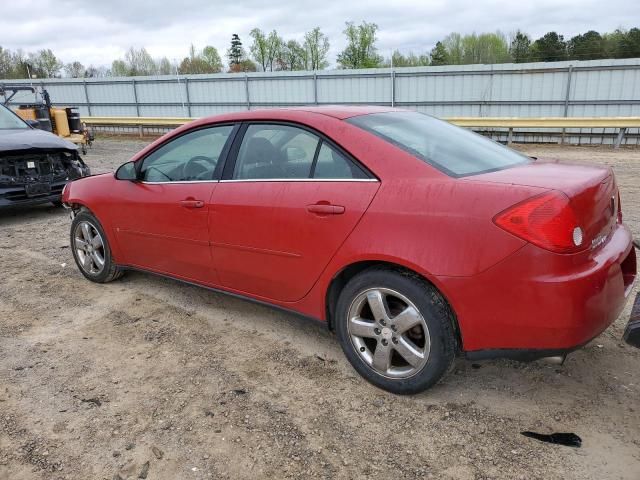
{"x":332,"y":164}
{"x":455,"y":151}
{"x":285,"y":152}
{"x":275,"y":152}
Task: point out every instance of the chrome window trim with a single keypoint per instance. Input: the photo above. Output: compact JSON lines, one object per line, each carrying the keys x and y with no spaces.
{"x":368,"y":180}
{"x":179,"y":181}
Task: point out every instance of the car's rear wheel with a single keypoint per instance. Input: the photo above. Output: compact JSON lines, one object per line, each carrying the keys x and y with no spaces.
{"x":395,"y":329}
{"x":91,"y":249}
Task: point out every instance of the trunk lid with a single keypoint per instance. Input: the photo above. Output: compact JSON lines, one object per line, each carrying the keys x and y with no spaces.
{"x":592,"y":192}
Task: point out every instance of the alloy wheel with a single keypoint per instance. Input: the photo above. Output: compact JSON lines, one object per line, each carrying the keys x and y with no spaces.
{"x":89,"y":248}
{"x":389,"y":333}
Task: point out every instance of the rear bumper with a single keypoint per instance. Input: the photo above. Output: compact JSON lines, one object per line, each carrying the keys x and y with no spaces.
{"x":536,"y":304}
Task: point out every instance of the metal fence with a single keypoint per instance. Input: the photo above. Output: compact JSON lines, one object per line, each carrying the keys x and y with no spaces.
{"x":597,"y":88}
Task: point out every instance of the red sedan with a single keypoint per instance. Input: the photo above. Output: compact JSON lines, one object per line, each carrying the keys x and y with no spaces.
{"x":413,"y":239}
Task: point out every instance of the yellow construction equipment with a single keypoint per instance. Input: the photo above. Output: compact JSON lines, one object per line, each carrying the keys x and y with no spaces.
{"x":63,"y":121}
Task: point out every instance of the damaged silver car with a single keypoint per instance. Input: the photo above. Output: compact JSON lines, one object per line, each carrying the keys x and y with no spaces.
{"x":34,"y":165}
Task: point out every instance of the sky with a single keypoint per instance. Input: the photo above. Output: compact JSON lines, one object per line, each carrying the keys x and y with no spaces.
{"x":98,"y":31}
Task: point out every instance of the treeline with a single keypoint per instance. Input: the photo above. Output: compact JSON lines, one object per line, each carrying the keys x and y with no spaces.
{"x":271,"y":52}
{"x":456,"y":49}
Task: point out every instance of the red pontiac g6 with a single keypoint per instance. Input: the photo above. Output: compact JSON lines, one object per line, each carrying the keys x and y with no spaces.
{"x":413,"y":239}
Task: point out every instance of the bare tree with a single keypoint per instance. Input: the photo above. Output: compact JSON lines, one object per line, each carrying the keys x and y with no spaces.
{"x":75,"y":70}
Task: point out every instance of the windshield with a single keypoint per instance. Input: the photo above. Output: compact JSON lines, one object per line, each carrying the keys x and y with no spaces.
{"x":455,"y":151}
{"x":10,"y":120}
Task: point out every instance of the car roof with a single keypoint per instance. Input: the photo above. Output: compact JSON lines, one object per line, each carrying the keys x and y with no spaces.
{"x":302,"y":114}
{"x":339,"y":112}
{"x":345,"y":111}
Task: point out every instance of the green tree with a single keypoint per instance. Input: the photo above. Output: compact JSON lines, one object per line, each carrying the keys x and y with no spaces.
{"x":293,"y":56}
{"x":45,"y":63}
{"x":361,"y":51}
{"x":266,"y":49}
{"x":484,"y":48}
{"x":75,"y":70}
{"x":409,"y":60}
{"x":316,"y":46}
{"x":520,"y":47}
{"x":206,"y":61}
{"x":613,"y":42}
{"x":259,"y":47}
{"x":211,"y":56}
{"x":455,"y":49}
{"x":235,"y":53}
{"x":623,"y":44}
{"x":119,"y":68}
{"x":275,"y":45}
{"x":439,"y":55}
{"x":549,"y":48}
{"x":587,"y":46}
{"x":22,"y":67}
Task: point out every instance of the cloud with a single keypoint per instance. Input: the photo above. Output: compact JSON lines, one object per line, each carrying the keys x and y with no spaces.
{"x":96,"y":32}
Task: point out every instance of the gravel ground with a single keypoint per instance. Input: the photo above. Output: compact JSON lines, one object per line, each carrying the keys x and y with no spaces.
{"x":150,"y":378}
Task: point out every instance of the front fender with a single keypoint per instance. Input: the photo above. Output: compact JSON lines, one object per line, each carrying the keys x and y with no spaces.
{"x":94,"y":194}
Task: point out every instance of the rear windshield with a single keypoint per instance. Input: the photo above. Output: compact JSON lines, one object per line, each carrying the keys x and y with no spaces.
{"x":455,"y":151}
{"x":8,"y":120}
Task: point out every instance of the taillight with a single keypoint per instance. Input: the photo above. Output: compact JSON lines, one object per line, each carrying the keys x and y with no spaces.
{"x":547,"y":221}
{"x":619,"y":209}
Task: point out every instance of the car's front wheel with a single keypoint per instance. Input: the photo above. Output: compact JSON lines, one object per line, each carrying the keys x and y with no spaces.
{"x":395,"y":329}
{"x":91,"y":249}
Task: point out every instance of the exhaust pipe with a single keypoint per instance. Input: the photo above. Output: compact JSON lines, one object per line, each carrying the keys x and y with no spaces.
{"x":555,"y":360}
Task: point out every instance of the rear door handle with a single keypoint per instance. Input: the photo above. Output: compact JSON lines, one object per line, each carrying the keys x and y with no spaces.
{"x":325,"y":209}
{"x":192,"y":203}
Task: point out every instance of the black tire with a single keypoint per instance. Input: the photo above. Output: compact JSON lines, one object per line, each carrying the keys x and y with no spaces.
{"x":110,"y":271}
{"x":57,"y":203}
{"x":431,"y":307}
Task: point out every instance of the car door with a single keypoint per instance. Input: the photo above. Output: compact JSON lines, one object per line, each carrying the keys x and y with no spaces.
{"x":288,"y":200}
{"x":161,"y":222}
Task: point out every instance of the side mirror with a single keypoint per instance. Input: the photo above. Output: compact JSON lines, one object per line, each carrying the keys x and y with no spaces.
{"x":127,"y":171}
{"x":33,"y":123}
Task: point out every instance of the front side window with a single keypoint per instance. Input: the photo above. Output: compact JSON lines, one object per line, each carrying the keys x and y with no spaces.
{"x":9,"y":120}
{"x":191,"y":157}
{"x":454,"y":150}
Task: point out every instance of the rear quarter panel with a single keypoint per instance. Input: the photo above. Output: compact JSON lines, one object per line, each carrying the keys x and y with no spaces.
{"x":436,"y":227}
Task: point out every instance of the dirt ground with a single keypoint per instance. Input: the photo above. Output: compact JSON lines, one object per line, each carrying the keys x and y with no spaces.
{"x":149,"y":378}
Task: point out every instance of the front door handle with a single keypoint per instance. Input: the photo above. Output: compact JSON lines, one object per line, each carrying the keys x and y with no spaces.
{"x":192,"y":203}
{"x":325,"y":209}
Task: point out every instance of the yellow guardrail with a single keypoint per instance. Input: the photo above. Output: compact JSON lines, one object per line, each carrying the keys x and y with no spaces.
{"x":620,"y":123}
{"x":497,"y":122}
{"x":135,"y":121}
{"x":547,"y":122}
